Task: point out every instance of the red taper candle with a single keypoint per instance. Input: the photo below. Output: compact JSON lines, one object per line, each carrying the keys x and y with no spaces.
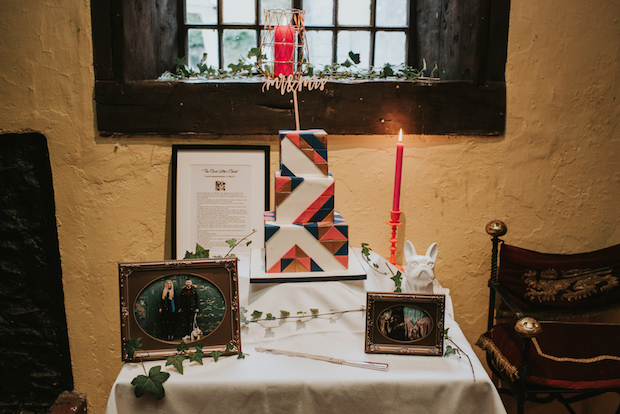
{"x":399,"y":170}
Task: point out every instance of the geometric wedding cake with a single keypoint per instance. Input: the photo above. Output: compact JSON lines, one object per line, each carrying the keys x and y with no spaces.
{"x":304,"y":233}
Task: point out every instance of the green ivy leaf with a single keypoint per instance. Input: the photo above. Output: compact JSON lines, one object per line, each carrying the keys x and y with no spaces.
{"x":315,"y":312}
{"x":182,"y":61}
{"x":201,"y":253}
{"x":131,"y":345}
{"x":240,"y":355}
{"x":347,"y":64}
{"x":366,"y":251}
{"x":451,"y":351}
{"x":229,"y":347}
{"x":197,"y":356}
{"x":387,"y":71}
{"x":231,"y":243}
{"x":270,"y":317}
{"x":284,"y":314}
{"x":256,"y":314}
{"x":182,"y":347}
{"x":236,"y":68}
{"x":355,"y":57}
{"x":397,"y":278}
{"x":153,"y":383}
{"x":176,"y":361}
{"x":216,"y":355}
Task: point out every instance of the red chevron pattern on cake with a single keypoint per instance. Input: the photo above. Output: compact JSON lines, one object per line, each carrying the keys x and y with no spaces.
{"x":312,"y":143}
{"x":304,"y":233}
{"x":319,"y":245}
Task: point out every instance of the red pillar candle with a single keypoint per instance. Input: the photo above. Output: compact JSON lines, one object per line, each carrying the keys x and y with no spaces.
{"x":399,"y":170}
{"x":283,"y":47}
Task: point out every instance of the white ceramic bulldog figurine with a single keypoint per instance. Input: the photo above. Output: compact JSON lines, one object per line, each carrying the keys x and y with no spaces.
{"x":419,"y":273}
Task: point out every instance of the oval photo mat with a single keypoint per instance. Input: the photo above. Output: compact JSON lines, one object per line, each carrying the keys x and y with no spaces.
{"x":211,"y":304}
{"x":408,"y":324}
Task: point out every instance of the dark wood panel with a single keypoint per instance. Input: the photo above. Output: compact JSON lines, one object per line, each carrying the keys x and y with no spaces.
{"x":428,"y":17}
{"x":146,"y":38}
{"x":102,"y":42}
{"x":460,"y":25}
{"x":241,"y":108}
{"x":498,"y":39}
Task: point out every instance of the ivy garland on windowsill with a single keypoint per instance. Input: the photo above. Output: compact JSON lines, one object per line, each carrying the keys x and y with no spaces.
{"x":247,"y":67}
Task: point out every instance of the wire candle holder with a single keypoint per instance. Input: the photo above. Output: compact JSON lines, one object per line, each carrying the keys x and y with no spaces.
{"x":283,"y":48}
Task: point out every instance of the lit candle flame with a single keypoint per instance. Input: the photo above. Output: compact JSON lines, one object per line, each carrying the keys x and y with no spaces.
{"x":400,"y":135}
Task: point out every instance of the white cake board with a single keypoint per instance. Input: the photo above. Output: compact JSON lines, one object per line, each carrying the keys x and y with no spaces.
{"x":258,"y":274}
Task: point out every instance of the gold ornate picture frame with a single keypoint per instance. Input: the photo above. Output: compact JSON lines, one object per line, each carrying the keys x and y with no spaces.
{"x":404,"y":323}
{"x":191,"y":300}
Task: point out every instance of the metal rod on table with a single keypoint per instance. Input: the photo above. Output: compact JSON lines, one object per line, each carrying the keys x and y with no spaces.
{"x":378,"y":366}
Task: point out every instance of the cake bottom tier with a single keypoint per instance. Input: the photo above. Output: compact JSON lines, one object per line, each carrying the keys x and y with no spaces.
{"x":310,"y":247}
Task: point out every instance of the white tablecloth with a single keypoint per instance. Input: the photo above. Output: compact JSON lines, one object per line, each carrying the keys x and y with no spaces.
{"x":273,"y":384}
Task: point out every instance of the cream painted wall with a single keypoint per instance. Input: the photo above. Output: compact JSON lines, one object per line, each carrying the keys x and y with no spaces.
{"x":554,"y":177}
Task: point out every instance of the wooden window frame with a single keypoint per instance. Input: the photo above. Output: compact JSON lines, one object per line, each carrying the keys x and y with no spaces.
{"x":135,"y":41}
{"x":334,"y":29}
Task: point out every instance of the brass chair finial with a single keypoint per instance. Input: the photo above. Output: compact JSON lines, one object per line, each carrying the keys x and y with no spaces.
{"x":496,"y":228}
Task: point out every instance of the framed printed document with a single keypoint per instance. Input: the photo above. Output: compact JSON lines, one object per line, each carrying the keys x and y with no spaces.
{"x":219,"y":193}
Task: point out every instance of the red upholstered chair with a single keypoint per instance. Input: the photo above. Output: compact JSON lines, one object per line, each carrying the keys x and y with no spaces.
{"x":532,"y":347}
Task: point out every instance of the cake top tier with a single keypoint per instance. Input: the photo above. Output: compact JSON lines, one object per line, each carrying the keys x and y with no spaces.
{"x":303,"y":153}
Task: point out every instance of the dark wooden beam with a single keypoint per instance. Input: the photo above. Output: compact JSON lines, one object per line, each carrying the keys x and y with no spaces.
{"x":343,"y":108}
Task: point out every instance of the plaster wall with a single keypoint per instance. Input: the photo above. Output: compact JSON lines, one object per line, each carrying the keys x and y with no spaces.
{"x":553,"y":178}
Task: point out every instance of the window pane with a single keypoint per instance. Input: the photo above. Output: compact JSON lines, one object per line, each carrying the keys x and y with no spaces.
{"x":202,"y":41}
{"x":239,"y":11}
{"x":356,"y":41}
{"x":319,"y":12}
{"x":354,"y":12}
{"x":391,"y":13}
{"x":201,"y":11}
{"x":237,"y":44}
{"x":319,"y":47}
{"x":389,"y":48}
{"x":273,"y":4}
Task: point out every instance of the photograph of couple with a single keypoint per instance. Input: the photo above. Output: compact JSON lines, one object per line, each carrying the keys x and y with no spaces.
{"x":180,"y":307}
{"x":405,"y":323}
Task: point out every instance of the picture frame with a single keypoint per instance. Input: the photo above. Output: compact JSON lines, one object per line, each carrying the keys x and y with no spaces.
{"x":219,"y":193}
{"x":162,"y":320}
{"x":404,"y":323}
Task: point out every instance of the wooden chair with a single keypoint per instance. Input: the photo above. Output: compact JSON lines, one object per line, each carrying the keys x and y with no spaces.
{"x":557,"y":359}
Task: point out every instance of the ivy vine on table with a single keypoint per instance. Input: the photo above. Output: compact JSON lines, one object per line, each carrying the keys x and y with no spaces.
{"x":153,"y":380}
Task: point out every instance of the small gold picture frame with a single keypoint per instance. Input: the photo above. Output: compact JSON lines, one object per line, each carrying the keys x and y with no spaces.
{"x":404,"y":323}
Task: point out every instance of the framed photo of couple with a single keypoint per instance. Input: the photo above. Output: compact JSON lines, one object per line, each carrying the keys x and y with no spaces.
{"x":404,"y":323}
{"x":191,"y":300}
